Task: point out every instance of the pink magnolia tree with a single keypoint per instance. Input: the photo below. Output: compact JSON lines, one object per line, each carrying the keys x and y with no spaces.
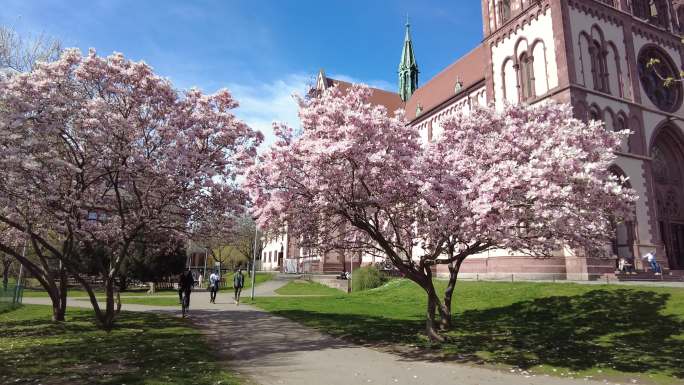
{"x":100,"y":152}
{"x":530,"y":179}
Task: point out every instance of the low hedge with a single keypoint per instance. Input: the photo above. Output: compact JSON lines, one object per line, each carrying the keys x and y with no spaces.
{"x":367,"y":277}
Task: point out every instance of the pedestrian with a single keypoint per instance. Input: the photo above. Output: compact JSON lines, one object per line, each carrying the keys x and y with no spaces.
{"x":200,"y":279}
{"x":214,"y":281}
{"x":651,"y":259}
{"x":185,"y":284}
{"x":622,"y":265}
{"x":238,"y":283}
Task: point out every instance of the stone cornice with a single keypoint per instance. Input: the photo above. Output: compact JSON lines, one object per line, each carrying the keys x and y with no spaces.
{"x":619,"y":17}
{"x":517,"y":22}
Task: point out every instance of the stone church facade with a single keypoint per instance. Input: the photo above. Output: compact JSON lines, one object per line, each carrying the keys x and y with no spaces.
{"x":593,"y":54}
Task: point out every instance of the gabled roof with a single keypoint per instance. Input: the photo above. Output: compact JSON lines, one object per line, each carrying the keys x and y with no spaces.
{"x":390,"y":100}
{"x":468,"y":70}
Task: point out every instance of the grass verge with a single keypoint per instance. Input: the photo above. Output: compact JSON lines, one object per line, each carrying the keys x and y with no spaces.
{"x":302,"y":287}
{"x":143,"y":348}
{"x":619,"y":333}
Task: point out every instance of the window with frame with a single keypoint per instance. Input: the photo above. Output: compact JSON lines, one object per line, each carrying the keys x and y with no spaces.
{"x":599,"y":66}
{"x":526,"y":77}
{"x":667,"y":98}
{"x":505,"y":10}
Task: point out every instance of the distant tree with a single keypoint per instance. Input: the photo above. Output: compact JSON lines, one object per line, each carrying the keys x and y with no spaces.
{"x":21,"y":53}
{"x":95,"y":152}
{"x":151,"y":263}
{"x":530,"y":179}
{"x":244,"y":242}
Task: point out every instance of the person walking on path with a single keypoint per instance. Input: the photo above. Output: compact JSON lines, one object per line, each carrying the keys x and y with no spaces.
{"x":214,"y":281}
{"x":238,"y":283}
{"x":185,"y":284}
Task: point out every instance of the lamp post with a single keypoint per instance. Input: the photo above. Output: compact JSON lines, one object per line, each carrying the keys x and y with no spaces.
{"x":256,"y":234}
{"x":206,"y":255}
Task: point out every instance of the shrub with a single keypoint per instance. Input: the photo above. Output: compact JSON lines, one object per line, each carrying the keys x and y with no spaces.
{"x":367,"y":277}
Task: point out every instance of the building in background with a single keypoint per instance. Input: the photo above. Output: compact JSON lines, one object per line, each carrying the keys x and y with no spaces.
{"x":592,"y":54}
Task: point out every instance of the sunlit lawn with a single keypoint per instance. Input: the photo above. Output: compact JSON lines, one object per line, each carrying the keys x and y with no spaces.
{"x":613,"y":332}
{"x":143,"y":348}
{"x":302,"y":287}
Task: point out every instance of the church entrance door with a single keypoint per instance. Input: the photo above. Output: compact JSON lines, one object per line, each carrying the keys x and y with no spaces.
{"x":667,"y":153}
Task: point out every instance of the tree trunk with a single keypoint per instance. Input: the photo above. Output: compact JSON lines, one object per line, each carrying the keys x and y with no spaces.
{"x":5,"y":272}
{"x":430,"y":321}
{"x":445,"y":311}
{"x":112,"y":306}
{"x":433,"y":304}
{"x":58,"y":311}
{"x":59,"y":308}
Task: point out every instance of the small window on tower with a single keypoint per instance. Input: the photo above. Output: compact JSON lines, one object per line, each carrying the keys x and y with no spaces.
{"x":505,"y":9}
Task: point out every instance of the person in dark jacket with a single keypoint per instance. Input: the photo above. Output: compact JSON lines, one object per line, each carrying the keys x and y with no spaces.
{"x":185,"y":284}
{"x":238,"y":284}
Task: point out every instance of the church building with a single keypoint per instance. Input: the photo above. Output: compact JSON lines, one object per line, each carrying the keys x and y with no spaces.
{"x":592,"y":54}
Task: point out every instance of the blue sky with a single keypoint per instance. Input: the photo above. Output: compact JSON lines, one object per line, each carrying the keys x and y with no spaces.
{"x":262,"y":50}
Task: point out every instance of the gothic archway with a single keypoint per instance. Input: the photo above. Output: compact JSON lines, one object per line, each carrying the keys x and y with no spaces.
{"x":667,"y":152}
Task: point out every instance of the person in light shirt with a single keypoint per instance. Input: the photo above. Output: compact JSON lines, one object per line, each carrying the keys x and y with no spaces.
{"x":651,"y":259}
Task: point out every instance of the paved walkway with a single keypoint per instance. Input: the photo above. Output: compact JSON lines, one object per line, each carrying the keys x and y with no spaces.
{"x":272,"y":350}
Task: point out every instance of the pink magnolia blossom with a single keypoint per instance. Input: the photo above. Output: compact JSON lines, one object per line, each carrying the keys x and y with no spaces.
{"x":97,"y":152}
{"x":530,"y":179}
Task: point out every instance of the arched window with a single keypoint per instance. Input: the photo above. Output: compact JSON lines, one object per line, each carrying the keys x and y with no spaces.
{"x":651,"y":77}
{"x":526,"y":77}
{"x":620,"y":123}
{"x":599,"y":66}
{"x":505,"y":10}
{"x":594,"y":113}
{"x":653,"y":11}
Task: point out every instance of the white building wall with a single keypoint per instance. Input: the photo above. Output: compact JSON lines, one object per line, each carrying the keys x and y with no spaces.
{"x":505,"y":77}
{"x":465,"y":103}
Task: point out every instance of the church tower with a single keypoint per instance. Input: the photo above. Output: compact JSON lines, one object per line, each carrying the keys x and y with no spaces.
{"x":408,"y":69}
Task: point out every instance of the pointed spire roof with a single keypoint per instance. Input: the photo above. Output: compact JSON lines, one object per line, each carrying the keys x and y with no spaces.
{"x":408,"y":68}
{"x":408,"y":60}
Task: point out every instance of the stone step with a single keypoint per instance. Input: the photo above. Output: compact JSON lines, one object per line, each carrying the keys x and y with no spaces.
{"x":650,"y":276}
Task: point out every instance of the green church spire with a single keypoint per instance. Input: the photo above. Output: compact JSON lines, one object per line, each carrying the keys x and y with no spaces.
{"x":408,"y":69}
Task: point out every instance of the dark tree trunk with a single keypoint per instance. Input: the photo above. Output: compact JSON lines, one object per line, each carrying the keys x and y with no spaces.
{"x":433,"y":304}
{"x":59,"y":308}
{"x":6,"y":263}
{"x":446,"y":319}
{"x":430,"y":321}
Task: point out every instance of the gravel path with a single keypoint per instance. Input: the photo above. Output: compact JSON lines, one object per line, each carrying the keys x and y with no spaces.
{"x":272,"y":350}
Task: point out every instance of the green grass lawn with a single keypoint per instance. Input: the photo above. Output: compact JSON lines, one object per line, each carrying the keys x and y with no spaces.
{"x":612,"y":332}
{"x":302,"y":287}
{"x":143,"y":348}
{"x":82,"y":293}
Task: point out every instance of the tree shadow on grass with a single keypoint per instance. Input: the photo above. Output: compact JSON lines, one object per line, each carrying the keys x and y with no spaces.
{"x":139,"y":348}
{"x":620,"y":329}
